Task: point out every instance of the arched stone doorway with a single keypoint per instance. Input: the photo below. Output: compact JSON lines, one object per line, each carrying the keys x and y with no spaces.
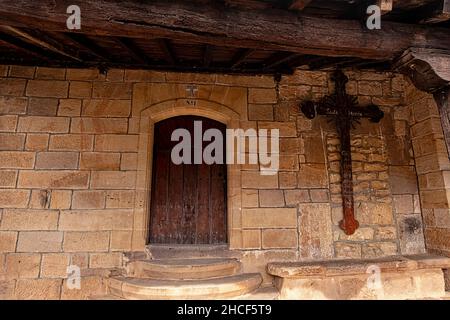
{"x":228,"y":114}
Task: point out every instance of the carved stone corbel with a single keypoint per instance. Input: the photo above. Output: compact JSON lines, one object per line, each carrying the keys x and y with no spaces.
{"x":429,"y":70}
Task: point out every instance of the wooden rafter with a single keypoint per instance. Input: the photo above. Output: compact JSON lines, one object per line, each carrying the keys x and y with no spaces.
{"x":331,"y":62}
{"x":38,"y":38}
{"x":130,"y":46}
{"x":207,"y":56}
{"x":88,"y":45}
{"x":166,"y":47}
{"x":239,"y":57}
{"x":24,"y":46}
{"x":279,"y":58}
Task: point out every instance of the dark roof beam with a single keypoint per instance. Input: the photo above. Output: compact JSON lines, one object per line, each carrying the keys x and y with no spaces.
{"x":239,"y":57}
{"x":166,"y":47}
{"x":130,"y":46}
{"x":38,"y":38}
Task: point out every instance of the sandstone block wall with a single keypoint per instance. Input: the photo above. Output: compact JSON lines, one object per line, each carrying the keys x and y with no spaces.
{"x":69,"y":146}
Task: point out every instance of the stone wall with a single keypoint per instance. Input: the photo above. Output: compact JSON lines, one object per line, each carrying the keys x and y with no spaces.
{"x":70,"y":142}
{"x":433,"y":169}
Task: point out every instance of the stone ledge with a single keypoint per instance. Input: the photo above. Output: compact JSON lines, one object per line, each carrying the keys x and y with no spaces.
{"x":354,"y":267}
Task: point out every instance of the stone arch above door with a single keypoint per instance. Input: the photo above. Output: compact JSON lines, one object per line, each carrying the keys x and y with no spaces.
{"x":181,"y":104}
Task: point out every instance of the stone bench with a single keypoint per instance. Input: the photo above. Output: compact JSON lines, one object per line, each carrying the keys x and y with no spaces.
{"x":397,"y":277}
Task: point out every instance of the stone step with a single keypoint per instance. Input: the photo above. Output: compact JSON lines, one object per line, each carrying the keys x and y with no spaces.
{"x":263,"y":293}
{"x":158,"y":252}
{"x":149,"y":289}
{"x":183,"y":269}
{"x":105,"y":297}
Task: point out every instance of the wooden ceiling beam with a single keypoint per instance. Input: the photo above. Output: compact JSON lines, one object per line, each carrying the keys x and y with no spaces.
{"x":239,"y":57}
{"x":130,"y":46}
{"x":88,"y":45}
{"x":36,"y":37}
{"x":299,"y":5}
{"x":279,"y":58}
{"x":331,"y":62}
{"x":207,"y":56}
{"x":217,"y":24}
{"x":166,"y":47}
{"x":24,"y":46}
{"x":436,"y":12}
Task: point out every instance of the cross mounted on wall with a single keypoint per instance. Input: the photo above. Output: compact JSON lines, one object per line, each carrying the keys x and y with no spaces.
{"x":345,"y":112}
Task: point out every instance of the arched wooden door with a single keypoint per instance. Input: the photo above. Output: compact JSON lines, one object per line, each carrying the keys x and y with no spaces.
{"x":188,"y":201}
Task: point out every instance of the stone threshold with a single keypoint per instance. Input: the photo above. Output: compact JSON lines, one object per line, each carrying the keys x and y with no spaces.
{"x":354,"y":267}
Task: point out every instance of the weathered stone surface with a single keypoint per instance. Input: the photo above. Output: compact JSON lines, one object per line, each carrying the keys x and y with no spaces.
{"x":54,"y":265}
{"x":69,"y":108}
{"x":96,"y":220}
{"x":50,"y":73}
{"x":8,"y":241}
{"x":120,"y":199}
{"x":99,"y":125}
{"x":315,"y":233}
{"x":251,"y":239}
{"x":117,"y":143}
{"x":39,"y":241}
{"x":89,"y":287}
{"x":46,"y":88}
{"x":27,"y":219}
{"x":121,"y":240}
{"x":38,"y":289}
{"x":14,"y":198}
{"x":312,"y":176}
{"x":255,"y":180}
{"x":113,"y":179}
{"x":13,"y":105}
{"x":53,"y":179}
{"x":60,"y":199}
{"x":411,"y":234}
{"x":42,"y":106}
{"x":8,"y":123}
{"x":379,"y":249}
{"x":37,"y":142}
{"x":22,"y":265}
{"x":43,"y":124}
{"x":88,"y":199}
{"x":80,"y":89}
{"x":111,"y":90}
{"x":16,"y":160}
{"x":99,"y":161}
{"x":269,"y":218}
{"x":105,"y":260}
{"x":294,"y":197}
{"x":8,"y":178}
{"x":271,"y":198}
{"x":86,"y":241}
{"x":71,"y":142}
{"x":279,"y":238}
{"x":106,"y":108}
{"x":57,"y":160}
{"x":262,"y":96}
{"x":374,"y":213}
{"x":345,"y":250}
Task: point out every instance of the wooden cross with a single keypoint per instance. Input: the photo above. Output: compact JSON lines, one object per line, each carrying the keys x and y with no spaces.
{"x":345,"y":112}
